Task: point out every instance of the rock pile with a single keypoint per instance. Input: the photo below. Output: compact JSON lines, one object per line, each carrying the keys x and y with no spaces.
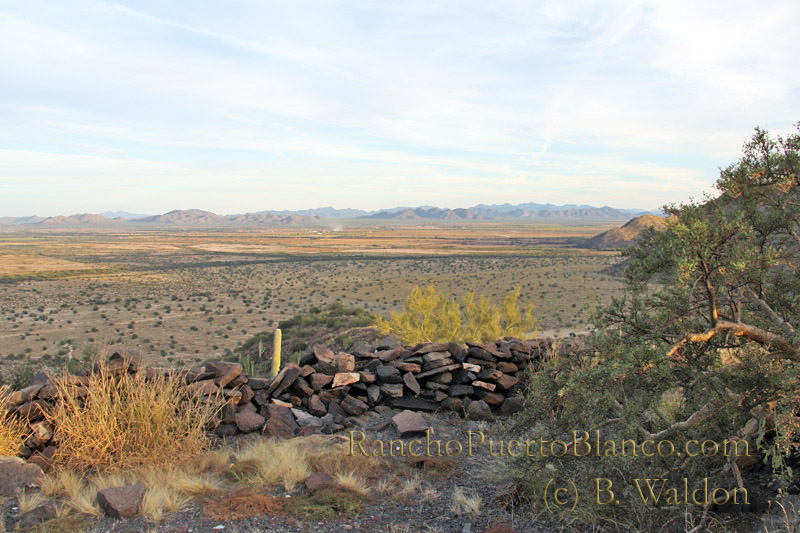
{"x":326,"y":390}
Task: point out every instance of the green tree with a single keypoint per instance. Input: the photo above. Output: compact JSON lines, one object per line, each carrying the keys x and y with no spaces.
{"x":426,"y":317}
{"x":704,"y":344}
{"x":481,"y":319}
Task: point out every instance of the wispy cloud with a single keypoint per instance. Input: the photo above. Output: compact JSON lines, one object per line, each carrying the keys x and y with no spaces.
{"x":363,"y":104}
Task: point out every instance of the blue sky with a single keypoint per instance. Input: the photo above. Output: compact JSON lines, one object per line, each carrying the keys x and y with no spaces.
{"x":248,"y":105}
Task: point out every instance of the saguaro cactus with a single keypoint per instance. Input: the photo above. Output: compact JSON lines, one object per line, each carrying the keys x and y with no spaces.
{"x":276,"y":353}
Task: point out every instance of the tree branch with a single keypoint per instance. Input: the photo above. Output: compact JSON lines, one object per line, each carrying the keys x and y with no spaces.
{"x":772,"y":314}
{"x":695,"y":419}
{"x":753,"y":333}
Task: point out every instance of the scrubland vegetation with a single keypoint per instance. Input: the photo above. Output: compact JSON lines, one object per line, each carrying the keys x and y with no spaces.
{"x":179,"y":301}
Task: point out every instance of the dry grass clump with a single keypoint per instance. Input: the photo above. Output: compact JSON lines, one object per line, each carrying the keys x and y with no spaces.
{"x":267,"y":462}
{"x":466,"y":504}
{"x":12,"y":429}
{"x":168,"y":489}
{"x":117,"y":422}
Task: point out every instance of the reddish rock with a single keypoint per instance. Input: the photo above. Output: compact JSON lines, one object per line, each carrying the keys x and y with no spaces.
{"x":16,"y":475}
{"x":44,"y":458}
{"x":410,"y":423}
{"x":32,"y":410}
{"x":483,"y":385}
{"x":318,"y":381}
{"x":226,"y":430}
{"x":344,"y":362}
{"x":248,"y":421}
{"x":406,"y":367}
{"x":258,"y":383}
{"x":325,"y":368}
{"x":345,"y":378}
{"x":280,"y":422}
{"x":316,"y":407}
{"x":224,"y":371}
{"x":302,"y":388}
{"x":439,"y":370}
{"x":121,"y":502}
{"x":411,"y":382}
{"x":247,"y":394}
{"x":353,"y":406}
{"x":392,"y":390}
{"x":367,"y":377}
{"x":435,"y":356}
{"x":505,"y":381}
{"x":506,"y":367}
{"x":490,"y":374}
{"x":290,"y":373}
{"x":24,"y":395}
{"x":453,"y":404}
{"x":390,"y":355}
{"x":323,"y":353}
{"x":493,"y":398}
{"x":232,"y":396}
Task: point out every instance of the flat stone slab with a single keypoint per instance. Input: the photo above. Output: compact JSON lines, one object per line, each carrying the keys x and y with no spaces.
{"x":342,"y":379}
{"x":410,"y":423}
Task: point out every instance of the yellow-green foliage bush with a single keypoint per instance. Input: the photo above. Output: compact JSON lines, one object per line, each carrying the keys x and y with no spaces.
{"x":431,"y":317}
{"x":120,"y":421}
{"x":12,"y":429}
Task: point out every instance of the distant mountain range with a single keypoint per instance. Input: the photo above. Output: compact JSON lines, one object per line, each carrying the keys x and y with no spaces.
{"x":543,"y":212}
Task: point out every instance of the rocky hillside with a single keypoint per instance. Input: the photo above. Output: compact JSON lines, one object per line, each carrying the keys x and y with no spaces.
{"x":626,"y":235}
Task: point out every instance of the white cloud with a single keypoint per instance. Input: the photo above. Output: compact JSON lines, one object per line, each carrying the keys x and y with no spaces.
{"x":416,"y":100}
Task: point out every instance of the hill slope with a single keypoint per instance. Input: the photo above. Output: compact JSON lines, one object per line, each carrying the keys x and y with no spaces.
{"x":627,"y":234}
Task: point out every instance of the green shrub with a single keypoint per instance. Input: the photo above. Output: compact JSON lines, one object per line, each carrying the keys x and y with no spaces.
{"x":431,"y":317}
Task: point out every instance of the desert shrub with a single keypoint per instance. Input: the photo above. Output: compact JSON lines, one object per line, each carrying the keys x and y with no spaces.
{"x":116,"y":422}
{"x":431,"y":317}
{"x":702,"y":347}
{"x":22,"y":374}
{"x":12,"y":430}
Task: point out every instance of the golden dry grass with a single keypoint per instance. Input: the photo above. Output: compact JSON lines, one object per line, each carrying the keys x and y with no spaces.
{"x":117,"y":422}
{"x":465,"y":504}
{"x":30,"y":500}
{"x":259,"y":465}
{"x":12,"y":429}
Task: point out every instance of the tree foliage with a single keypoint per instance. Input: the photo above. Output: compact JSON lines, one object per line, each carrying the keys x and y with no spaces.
{"x":432,"y":317}
{"x":704,"y":344}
